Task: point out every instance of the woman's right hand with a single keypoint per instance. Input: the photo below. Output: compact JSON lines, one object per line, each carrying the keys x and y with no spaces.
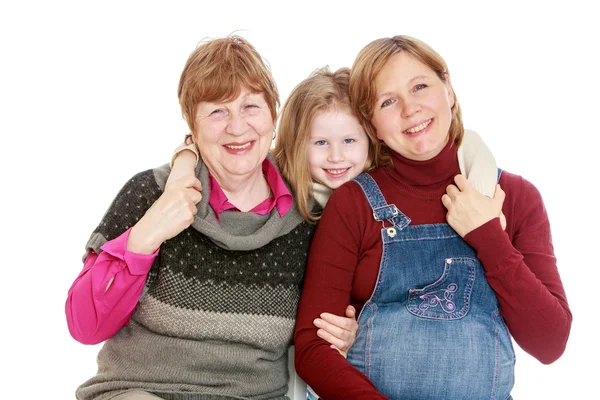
{"x":170,"y":214}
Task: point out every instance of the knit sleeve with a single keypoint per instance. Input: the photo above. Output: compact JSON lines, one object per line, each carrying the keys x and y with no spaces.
{"x":104,"y":295}
{"x":131,"y":203}
{"x":521,"y":268}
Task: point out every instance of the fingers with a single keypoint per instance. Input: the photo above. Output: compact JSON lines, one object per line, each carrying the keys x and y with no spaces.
{"x":334,"y":341}
{"x":503,"y":221}
{"x":446,"y":201}
{"x":462,"y":183}
{"x":194,"y":195}
{"x":452,"y":191}
{"x":499,"y":195}
{"x":350,"y":312}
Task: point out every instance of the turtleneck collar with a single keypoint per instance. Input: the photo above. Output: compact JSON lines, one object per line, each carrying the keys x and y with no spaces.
{"x":430,"y":172}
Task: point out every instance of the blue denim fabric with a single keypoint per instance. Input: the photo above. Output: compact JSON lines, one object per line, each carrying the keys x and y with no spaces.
{"x":432,"y":328}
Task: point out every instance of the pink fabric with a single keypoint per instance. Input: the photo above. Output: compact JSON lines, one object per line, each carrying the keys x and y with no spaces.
{"x":282,"y":199}
{"x":97,"y":308}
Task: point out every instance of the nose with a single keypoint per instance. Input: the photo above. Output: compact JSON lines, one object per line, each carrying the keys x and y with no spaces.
{"x":410,"y":108}
{"x":335,"y":154}
{"x":237,"y":124}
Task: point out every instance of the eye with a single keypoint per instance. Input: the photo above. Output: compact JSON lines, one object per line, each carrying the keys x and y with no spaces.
{"x":321,"y":142}
{"x":251,"y":106}
{"x":218,"y":111}
{"x":419,"y":87}
{"x":349,"y":140}
{"x":387,"y":103}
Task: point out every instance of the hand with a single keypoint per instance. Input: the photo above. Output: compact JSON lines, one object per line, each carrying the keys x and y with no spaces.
{"x":339,"y":331}
{"x":184,"y":166}
{"x":170,"y":214}
{"x":468,"y":209}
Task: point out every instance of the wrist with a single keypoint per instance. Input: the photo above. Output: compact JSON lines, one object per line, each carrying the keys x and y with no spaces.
{"x":141,"y":240}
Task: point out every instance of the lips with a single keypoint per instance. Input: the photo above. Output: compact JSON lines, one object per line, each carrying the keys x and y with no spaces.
{"x":337,"y":172}
{"x":239,"y":148}
{"x":417,"y":129}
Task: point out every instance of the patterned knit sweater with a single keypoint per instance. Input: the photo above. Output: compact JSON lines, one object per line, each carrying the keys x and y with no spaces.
{"x":217,"y":314}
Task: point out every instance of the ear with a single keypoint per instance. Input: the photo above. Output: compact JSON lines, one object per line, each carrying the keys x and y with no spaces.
{"x":449,"y":89}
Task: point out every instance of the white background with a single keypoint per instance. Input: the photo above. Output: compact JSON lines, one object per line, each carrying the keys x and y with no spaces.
{"x":88,"y":97}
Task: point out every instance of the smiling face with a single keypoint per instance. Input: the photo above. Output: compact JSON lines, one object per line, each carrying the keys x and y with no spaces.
{"x":234,"y":137}
{"x":412,"y":112}
{"x":338,"y":148}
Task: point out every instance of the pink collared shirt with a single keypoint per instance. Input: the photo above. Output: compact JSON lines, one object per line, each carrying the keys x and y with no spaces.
{"x":282,"y":199}
{"x":107,"y":290}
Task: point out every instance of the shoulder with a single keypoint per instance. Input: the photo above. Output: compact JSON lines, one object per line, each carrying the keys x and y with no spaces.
{"x":523,"y":205}
{"x":518,"y":187}
{"x":131,"y":203}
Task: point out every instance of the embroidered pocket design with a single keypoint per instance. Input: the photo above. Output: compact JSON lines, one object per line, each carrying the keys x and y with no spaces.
{"x":447,"y":298}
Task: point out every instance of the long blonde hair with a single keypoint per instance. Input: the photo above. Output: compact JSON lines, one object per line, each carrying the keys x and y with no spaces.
{"x":368,"y":65}
{"x":322,"y":90}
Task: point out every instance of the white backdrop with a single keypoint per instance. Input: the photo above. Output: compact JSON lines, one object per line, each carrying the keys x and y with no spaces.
{"x":88,"y":96}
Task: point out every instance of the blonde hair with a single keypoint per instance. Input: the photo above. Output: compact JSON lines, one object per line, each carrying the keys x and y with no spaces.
{"x":217,"y":70}
{"x":368,"y":65}
{"x":322,"y":90}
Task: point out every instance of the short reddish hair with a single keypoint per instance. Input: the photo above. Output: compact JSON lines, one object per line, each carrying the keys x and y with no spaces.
{"x":218,"y":69}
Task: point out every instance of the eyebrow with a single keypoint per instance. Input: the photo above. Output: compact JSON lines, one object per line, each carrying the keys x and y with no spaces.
{"x":411,"y":80}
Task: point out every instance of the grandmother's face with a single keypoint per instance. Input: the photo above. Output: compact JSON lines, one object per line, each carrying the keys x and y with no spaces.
{"x":234,"y":138}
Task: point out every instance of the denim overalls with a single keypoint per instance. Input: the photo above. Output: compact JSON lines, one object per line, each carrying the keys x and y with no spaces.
{"x":432,"y":328}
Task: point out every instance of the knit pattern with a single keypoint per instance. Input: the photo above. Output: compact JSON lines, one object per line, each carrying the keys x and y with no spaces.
{"x":212,"y":322}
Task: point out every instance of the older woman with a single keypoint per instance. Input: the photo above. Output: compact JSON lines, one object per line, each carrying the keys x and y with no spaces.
{"x":210,"y":315}
{"x":440,"y":284}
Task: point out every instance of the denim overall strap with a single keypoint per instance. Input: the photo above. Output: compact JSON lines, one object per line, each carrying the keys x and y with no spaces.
{"x":432,"y":328}
{"x":381,"y":209}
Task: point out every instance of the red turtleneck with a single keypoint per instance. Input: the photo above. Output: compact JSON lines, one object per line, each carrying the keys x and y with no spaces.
{"x":346,"y":251}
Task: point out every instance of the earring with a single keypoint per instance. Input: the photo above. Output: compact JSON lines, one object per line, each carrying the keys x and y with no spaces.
{"x":274,"y":135}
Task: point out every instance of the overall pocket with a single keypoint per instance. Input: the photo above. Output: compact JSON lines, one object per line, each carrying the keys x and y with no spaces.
{"x":447,"y":298}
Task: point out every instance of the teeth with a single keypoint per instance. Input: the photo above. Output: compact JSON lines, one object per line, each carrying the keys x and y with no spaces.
{"x":337,"y":171}
{"x":418,"y":128}
{"x":237,"y":147}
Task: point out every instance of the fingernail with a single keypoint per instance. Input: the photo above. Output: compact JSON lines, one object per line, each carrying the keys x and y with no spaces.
{"x":318,"y":322}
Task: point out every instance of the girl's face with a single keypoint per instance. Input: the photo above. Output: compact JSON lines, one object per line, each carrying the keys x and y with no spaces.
{"x":412,"y":113}
{"x":338,"y":148}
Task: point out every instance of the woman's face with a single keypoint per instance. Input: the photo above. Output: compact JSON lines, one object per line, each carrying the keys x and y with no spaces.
{"x":338,"y":148}
{"x":412,"y":112}
{"x":234,"y":137}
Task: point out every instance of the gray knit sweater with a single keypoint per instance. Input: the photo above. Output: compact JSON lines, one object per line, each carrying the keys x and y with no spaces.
{"x":218,"y":309}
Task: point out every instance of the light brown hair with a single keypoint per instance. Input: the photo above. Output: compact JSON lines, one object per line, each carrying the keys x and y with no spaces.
{"x":368,"y":65}
{"x":217,"y":70}
{"x":322,"y":90}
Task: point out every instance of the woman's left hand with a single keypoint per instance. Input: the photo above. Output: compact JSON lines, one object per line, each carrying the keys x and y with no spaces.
{"x":339,"y":331}
{"x":468,"y":209}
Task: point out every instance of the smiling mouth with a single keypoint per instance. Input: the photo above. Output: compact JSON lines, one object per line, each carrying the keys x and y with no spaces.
{"x":336,"y":172}
{"x":418,"y":128}
{"x":238,"y":147}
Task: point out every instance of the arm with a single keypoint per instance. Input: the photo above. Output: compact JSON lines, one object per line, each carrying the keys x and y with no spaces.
{"x":183,"y":163}
{"x":104,"y":295}
{"x":333,"y":257}
{"x":521,"y":268}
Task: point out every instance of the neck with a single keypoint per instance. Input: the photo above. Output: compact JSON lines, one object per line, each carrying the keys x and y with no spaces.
{"x":428,"y":172}
{"x":245,"y":192}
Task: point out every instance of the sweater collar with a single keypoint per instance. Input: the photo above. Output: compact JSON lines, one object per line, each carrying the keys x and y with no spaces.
{"x":429,"y":172}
